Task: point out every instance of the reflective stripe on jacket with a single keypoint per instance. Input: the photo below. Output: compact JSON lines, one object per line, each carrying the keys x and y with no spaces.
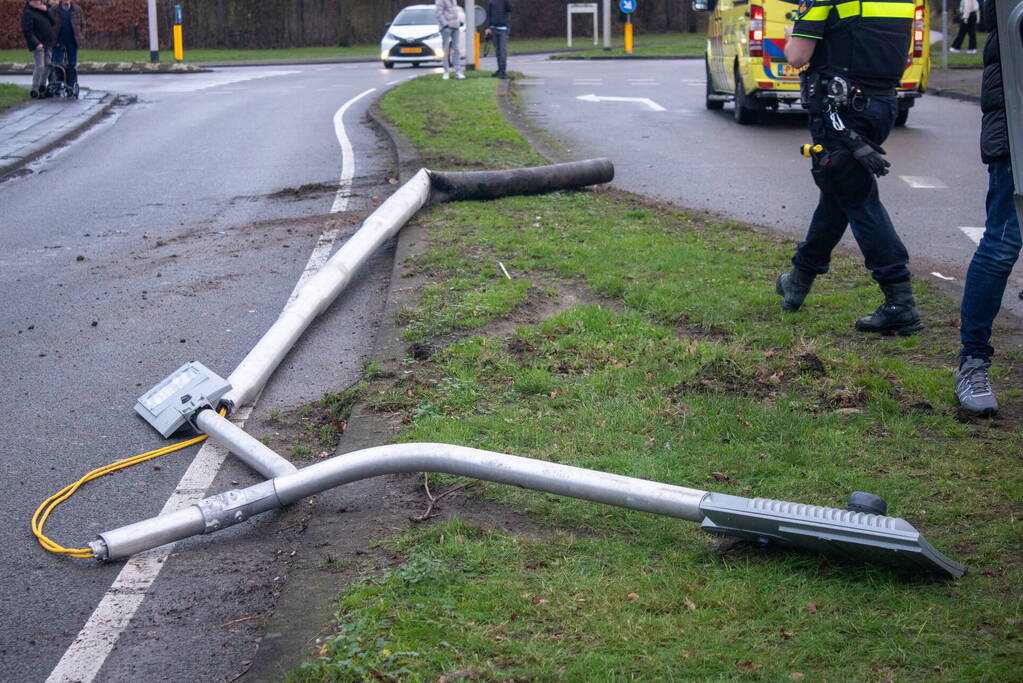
{"x":866,"y":41}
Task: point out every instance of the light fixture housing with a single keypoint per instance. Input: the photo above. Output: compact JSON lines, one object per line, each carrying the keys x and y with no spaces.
{"x":173,"y":402}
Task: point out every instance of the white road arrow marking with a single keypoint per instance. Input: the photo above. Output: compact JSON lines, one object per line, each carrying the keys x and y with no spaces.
{"x":973,"y":233}
{"x":642,"y":100}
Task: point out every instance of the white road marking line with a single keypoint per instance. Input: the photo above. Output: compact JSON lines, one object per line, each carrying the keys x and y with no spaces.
{"x":90,"y":649}
{"x":942,"y":277}
{"x":94,"y":643}
{"x":530,"y":81}
{"x":347,"y":169}
{"x":923,"y":182}
{"x":973,"y":233}
{"x":639,"y":100}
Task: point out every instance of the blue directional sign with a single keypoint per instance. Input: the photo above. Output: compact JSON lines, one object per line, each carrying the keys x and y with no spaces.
{"x":627,"y":6}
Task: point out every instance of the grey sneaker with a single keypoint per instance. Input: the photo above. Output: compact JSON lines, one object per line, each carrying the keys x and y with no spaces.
{"x":973,"y":388}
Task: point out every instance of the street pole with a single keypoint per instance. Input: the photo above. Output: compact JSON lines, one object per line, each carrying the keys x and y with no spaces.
{"x":471,"y":61}
{"x":607,"y":24}
{"x":944,"y":35}
{"x":154,"y":44}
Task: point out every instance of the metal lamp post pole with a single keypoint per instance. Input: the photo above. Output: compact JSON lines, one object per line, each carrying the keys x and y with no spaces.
{"x":471,"y":59}
{"x":154,"y":44}
{"x":607,"y":24}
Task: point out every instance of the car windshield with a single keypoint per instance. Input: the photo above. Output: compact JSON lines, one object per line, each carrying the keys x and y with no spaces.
{"x":415,"y":17}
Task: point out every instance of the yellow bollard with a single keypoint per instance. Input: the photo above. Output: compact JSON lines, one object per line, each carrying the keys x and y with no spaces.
{"x":475,"y":51}
{"x":628,"y":37}
{"x":179,"y":50}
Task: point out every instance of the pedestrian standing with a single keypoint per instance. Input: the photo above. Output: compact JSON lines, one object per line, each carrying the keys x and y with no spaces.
{"x":450,"y":22}
{"x":69,"y":29}
{"x":969,"y":14}
{"x":999,"y":247}
{"x":497,"y":29}
{"x":856,"y":59}
{"x":37,"y":27}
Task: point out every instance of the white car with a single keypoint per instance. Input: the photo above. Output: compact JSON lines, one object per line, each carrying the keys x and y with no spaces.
{"x":413,"y":37}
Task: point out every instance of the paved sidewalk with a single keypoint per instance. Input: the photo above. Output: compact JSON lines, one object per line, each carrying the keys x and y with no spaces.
{"x":30,"y":130}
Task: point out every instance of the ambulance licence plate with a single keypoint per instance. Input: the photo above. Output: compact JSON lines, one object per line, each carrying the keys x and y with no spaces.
{"x":787,"y":70}
{"x":411,"y":50}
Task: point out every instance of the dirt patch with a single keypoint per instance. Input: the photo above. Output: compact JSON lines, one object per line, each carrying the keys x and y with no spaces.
{"x":311,"y":431}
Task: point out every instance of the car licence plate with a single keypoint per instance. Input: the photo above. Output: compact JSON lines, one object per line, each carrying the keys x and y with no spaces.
{"x":787,"y":70}
{"x":411,"y":50}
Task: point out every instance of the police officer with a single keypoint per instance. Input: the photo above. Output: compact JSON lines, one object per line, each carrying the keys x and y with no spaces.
{"x":856,"y":53}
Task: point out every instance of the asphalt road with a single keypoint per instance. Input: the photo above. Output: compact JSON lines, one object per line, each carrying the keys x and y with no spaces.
{"x":679,"y":151}
{"x":174,"y":230}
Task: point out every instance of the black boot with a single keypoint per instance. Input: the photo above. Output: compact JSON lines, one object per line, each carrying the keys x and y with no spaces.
{"x":794,"y":286}
{"x":897,"y":315}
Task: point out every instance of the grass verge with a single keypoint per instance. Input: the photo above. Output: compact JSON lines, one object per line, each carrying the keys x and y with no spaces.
{"x":961,"y":60}
{"x":646,"y":45}
{"x":669,"y":43}
{"x":11,"y":95}
{"x":644,"y":340}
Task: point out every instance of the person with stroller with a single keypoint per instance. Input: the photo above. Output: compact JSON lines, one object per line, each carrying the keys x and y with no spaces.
{"x":69,"y":29}
{"x":37,"y":25}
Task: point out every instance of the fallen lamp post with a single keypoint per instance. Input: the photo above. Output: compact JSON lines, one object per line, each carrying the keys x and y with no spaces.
{"x":189,"y":395}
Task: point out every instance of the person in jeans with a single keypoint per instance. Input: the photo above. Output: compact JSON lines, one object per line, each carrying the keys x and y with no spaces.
{"x":449,"y":22}
{"x":969,"y":12}
{"x":37,"y":27}
{"x":999,"y":248}
{"x":69,"y":29}
{"x":497,"y":28}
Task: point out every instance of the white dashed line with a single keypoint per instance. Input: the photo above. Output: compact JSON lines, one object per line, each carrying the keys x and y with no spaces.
{"x":94,"y":643}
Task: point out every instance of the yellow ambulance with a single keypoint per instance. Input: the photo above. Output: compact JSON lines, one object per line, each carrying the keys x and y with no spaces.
{"x":746,"y":63}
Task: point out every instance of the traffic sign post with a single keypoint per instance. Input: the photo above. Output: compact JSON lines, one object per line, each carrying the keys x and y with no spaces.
{"x":628,"y":7}
{"x":581,"y":8}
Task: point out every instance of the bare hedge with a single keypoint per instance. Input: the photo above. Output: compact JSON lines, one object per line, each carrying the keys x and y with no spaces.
{"x":240,"y":24}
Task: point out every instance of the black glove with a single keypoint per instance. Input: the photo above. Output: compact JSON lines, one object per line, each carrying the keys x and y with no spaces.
{"x":868,"y":154}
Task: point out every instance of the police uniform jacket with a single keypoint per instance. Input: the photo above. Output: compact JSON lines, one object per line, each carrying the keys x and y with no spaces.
{"x":866,"y":42}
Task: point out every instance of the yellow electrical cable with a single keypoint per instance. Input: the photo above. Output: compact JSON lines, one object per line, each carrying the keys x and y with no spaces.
{"x":51,"y":503}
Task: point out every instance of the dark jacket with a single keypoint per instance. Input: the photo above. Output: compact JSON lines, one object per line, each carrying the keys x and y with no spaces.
{"x":994,"y":134}
{"x":77,"y":21}
{"x":497,"y":12}
{"x":37,"y":26}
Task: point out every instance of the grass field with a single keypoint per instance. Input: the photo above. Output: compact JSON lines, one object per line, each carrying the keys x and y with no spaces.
{"x":643,"y":340}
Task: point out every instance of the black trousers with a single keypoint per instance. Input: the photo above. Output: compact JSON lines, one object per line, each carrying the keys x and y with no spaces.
{"x":884,"y":255}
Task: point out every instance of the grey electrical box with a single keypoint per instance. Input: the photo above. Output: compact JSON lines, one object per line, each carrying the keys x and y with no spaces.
{"x":173,"y":402}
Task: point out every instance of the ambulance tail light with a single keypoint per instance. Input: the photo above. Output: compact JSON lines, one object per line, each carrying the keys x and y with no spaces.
{"x":918,"y":32}
{"x":756,"y":31}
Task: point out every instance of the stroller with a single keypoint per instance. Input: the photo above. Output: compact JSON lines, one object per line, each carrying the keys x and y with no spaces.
{"x":63,"y":78}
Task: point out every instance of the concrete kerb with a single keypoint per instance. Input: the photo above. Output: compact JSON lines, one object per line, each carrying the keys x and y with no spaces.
{"x":10,"y":167}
